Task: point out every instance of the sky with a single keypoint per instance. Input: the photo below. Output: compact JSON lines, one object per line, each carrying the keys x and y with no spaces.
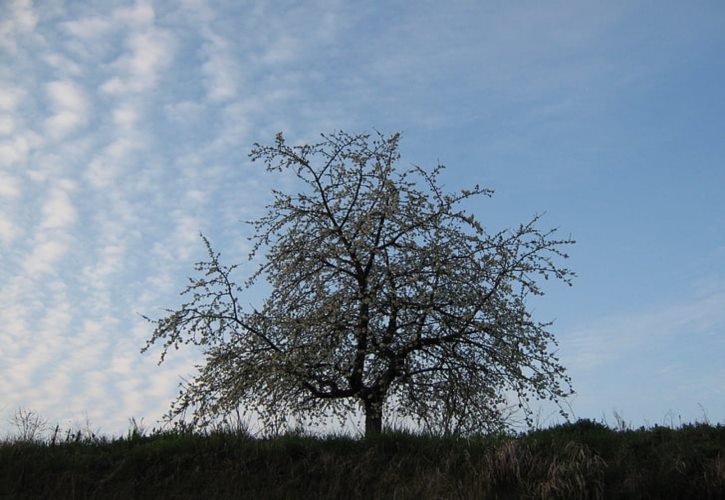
{"x":125,"y":128}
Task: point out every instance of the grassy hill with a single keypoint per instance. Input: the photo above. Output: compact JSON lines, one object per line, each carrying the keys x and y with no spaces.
{"x":581,"y":460}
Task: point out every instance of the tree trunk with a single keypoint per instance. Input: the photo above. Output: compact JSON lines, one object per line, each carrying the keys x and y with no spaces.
{"x":373,"y":417}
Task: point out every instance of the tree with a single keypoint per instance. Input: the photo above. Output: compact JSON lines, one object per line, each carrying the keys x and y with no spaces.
{"x":384,"y":295}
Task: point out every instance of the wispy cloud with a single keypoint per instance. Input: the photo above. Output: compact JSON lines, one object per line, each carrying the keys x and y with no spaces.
{"x":8,"y":230}
{"x":52,"y":237}
{"x":138,"y":69}
{"x":9,"y":185}
{"x":70,"y":106}
{"x":220,"y":70}
{"x":63,"y":65}
{"x":17,"y":18}
{"x":14,"y":152}
{"x":105,"y":167}
{"x":126,"y":115}
{"x":58,"y":211}
{"x":110,"y":261}
{"x":45,"y":255}
{"x":89,"y":27}
{"x":15,"y":144}
{"x":669,"y":350}
{"x":608,"y":341}
{"x":140,"y":14}
{"x":7,"y":125}
{"x":10,"y":97}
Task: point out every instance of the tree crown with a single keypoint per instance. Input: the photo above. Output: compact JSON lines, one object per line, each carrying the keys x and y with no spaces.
{"x":385,"y":294}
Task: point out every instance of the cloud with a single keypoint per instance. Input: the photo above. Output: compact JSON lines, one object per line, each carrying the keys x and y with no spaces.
{"x":671,"y":350}
{"x":126,"y":116}
{"x":44,"y":256}
{"x":58,"y":211}
{"x":220,"y":69}
{"x":613,"y":339}
{"x":14,"y":152}
{"x":282,"y":49}
{"x":63,"y":64}
{"x":52,"y":239}
{"x":184,"y":112}
{"x":89,"y":27}
{"x":36,"y":372}
{"x":10,"y":98}
{"x":148,"y":54}
{"x":18,"y":19}
{"x":9,"y":185}
{"x":186,"y":234}
{"x":107,"y":166}
{"x":70,"y":106}
{"x":139,"y":14}
{"x":9,"y":232}
{"x":110,"y":261}
{"x":7,"y":125}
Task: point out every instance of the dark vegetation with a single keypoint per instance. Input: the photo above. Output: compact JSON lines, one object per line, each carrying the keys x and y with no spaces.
{"x":581,"y":460}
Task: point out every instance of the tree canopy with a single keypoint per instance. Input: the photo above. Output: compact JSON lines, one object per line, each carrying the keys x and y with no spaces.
{"x":386,"y":296}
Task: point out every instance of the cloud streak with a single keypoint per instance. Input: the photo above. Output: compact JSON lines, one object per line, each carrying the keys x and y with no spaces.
{"x":19,"y":19}
{"x":610,"y":340}
{"x":70,"y":106}
{"x":148,"y":53}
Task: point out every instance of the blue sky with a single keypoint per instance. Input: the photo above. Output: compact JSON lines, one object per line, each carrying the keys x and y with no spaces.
{"x":125,"y":128}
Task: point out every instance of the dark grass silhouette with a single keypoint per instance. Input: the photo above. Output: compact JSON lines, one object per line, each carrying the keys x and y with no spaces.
{"x":585,"y":459}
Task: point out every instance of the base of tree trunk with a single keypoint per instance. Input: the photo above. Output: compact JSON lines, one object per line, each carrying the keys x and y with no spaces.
{"x":373,"y":418}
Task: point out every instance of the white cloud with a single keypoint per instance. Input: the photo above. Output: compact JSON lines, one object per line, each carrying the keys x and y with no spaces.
{"x":110,"y":261}
{"x":25,"y":17}
{"x":7,"y":125}
{"x":36,"y":374}
{"x":10,"y":98}
{"x":9,"y":185}
{"x":139,"y":14}
{"x":70,"y":106}
{"x":58,"y":211}
{"x":197,"y":196}
{"x":63,"y":159}
{"x":57,"y":318}
{"x":126,"y":116}
{"x":90,"y":41}
{"x":609,"y":340}
{"x":19,"y":296}
{"x":106,"y":167}
{"x":199,"y":10}
{"x":51,"y":240}
{"x":186,"y":235}
{"x":89,"y":27}
{"x":63,"y":65}
{"x":220,"y":69}
{"x":8,"y":230}
{"x":14,"y":152}
{"x":282,"y":49}
{"x":669,"y":350}
{"x":44,"y":256}
{"x":65,"y":95}
{"x":184,"y":112}
{"x":148,"y":54}
{"x":18,"y":19}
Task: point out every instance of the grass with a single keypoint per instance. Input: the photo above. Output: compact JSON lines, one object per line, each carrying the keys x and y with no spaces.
{"x":585,"y":459}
